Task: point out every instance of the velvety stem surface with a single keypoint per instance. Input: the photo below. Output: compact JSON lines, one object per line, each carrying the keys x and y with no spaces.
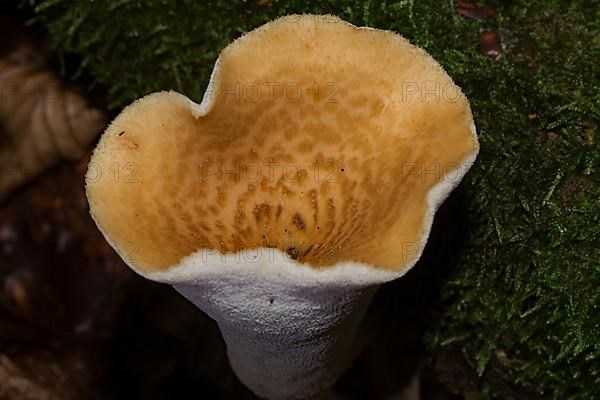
{"x":284,"y":342}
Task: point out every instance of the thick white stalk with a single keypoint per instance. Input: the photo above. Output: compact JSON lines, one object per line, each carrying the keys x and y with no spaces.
{"x":290,"y":329}
{"x":284,"y":342}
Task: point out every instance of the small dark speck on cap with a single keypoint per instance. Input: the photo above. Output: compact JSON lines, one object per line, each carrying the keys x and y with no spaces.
{"x":298,"y":221}
{"x":292,"y":252}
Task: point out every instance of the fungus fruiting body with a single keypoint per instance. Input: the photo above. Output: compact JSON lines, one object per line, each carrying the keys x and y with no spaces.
{"x":308,"y":176}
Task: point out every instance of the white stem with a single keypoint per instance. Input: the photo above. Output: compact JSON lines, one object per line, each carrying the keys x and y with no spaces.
{"x":290,"y":329}
{"x":284,"y":342}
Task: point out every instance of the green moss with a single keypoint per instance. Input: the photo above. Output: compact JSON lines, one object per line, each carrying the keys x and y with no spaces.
{"x":522,"y":304}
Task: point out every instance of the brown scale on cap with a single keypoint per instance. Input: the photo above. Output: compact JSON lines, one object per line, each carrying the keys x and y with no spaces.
{"x":317,"y":144}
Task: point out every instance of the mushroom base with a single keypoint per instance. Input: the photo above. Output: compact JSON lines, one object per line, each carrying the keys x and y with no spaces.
{"x":284,"y":342}
{"x":290,"y":328}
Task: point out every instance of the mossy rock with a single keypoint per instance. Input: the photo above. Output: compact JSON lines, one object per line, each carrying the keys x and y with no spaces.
{"x":521,"y":302}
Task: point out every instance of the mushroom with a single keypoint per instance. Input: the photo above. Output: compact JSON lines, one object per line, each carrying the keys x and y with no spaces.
{"x":308,"y":176}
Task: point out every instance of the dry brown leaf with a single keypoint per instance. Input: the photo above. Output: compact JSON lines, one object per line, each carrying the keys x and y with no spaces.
{"x":15,"y":385}
{"x":475,"y":11}
{"x":490,"y":44}
{"x":42,"y":119}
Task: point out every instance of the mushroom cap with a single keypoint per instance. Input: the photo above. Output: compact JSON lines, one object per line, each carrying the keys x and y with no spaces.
{"x":329,"y":144}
